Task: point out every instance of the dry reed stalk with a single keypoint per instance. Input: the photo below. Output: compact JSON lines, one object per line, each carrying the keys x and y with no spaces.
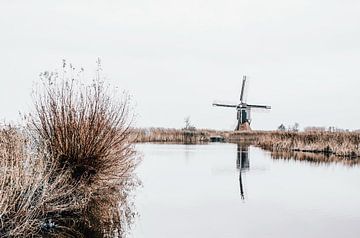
{"x":34,"y":203}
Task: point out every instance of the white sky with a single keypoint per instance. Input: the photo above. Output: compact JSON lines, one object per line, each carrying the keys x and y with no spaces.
{"x":177,"y":57}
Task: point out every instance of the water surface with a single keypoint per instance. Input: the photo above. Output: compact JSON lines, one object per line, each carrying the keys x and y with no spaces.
{"x":229,"y":190}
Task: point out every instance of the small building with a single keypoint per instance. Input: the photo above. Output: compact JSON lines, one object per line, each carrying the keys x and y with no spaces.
{"x":217,"y":138}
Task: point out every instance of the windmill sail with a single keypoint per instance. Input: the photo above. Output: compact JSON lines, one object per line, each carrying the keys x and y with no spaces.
{"x":259,"y":106}
{"x":242,"y":89}
{"x":224,"y":105}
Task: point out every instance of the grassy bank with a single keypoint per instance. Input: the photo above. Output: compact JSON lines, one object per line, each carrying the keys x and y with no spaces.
{"x":69,"y":171}
{"x":343,"y":144}
{"x":183,"y":136}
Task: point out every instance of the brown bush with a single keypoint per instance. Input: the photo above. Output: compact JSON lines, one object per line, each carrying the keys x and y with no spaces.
{"x":87,"y":133}
{"x":70,"y":173}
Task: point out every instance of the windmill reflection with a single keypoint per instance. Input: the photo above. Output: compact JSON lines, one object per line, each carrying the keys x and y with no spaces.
{"x":242,"y":164}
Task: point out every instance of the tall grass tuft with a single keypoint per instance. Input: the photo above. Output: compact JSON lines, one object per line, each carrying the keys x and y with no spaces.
{"x":86,"y":132}
{"x":84,"y":128}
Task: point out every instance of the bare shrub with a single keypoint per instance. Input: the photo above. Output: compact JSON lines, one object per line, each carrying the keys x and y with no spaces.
{"x":84,"y":128}
{"x":87,"y":133}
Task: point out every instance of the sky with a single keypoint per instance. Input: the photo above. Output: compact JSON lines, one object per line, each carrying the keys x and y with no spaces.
{"x":177,"y":57}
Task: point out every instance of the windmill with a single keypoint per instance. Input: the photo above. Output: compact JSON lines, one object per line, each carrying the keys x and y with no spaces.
{"x":243,"y":109}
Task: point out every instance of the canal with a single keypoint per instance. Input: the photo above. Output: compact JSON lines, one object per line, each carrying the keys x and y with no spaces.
{"x":232,"y":191}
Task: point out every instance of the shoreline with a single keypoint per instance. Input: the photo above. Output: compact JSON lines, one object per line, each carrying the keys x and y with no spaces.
{"x":345,"y":145}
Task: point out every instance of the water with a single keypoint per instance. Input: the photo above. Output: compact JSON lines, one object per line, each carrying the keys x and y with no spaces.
{"x":226,"y":190}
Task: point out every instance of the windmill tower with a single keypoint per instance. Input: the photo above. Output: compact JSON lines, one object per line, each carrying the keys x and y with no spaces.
{"x":243,"y":109}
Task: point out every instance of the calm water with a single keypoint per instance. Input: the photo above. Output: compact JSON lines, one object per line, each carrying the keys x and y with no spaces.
{"x":226,"y":190}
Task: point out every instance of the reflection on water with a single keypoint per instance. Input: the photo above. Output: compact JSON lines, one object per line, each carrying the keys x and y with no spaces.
{"x":193,"y":191}
{"x":242,"y":164}
{"x":314,"y":158}
{"x":243,"y":161}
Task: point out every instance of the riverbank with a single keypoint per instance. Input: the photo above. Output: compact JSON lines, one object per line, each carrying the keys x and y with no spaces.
{"x":182,"y":136}
{"x":341,"y":144}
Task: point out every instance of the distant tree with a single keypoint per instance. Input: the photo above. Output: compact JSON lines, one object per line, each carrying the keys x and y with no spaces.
{"x":282,"y":127}
{"x":295,"y":127}
{"x":188,"y":125}
{"x":187,"y":122}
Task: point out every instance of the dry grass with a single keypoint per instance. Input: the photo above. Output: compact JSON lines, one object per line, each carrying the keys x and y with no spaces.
{"x":71,"y":173}
{"x":344,"y":144}
{"x":86,"y":130}
{"x":33,"y":202}
{"x":171,"y":135}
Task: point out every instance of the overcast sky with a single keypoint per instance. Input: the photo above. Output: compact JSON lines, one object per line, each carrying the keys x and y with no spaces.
{"x":176,"y":57}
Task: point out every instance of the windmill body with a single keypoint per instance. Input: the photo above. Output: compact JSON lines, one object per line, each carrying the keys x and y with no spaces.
{"x":243,"y":109}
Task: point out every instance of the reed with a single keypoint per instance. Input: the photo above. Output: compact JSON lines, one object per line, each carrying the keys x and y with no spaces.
{"x":171,"y":135}
{"x":33,"y":202}
{"x":69,"y":173}
{"x":344,"y":144}
{"x":87,"y":133}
